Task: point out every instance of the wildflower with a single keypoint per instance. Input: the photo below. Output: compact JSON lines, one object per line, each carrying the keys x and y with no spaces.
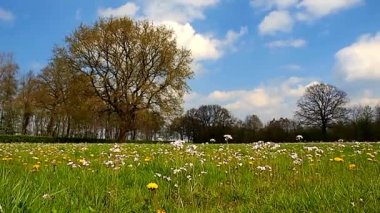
{"x":338,"y":159}
{"x":212,"y":140}
{"x":351,"y":166}
{"x":6,"y":159}
{"x":152,"y":186}
{"x":299,"y":138}
{"x":84,"y":162}
{"x":36,"y":167}
{"x":161,"y":211}
{"x":178,"y":143}
{"x":115,"y":148}
{"x":147,"y":159}
{"x":47,"y":196}
{"x":264,"y":168}
{"x":227,"y":137}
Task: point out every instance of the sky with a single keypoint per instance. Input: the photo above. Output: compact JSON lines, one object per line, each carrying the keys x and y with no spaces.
{"x":250,"y":56}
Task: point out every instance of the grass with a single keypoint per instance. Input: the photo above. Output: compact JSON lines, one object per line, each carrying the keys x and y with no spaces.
{"x":202,"y":178}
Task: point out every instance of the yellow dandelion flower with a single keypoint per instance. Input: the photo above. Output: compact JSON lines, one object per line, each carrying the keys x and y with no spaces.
{"x":338,"y":159}
{"x":161,"y":211}
{"x":36,"y":167}
{"x":152,"y":186}
{"x":351,"y":166}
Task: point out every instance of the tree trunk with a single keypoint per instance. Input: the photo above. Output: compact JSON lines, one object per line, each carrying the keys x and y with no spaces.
{"x":324,"y":131}
{"x":25,"y":122}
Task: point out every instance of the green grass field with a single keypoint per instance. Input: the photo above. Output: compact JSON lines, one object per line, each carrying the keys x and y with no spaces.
{"x":195,"y":178}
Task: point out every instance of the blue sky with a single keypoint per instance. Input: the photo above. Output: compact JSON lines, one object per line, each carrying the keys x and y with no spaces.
{"x":250,"y":56}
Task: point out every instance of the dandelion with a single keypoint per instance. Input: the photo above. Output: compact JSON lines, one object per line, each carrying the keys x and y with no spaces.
{"x":338,"y":159}
{"x":36,"y":167}
{"x":351,"y":166}
{"x":152,"y":186}
{"x":161,"y":211}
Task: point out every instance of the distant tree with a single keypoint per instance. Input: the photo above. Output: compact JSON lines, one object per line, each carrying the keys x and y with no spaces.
{"x":280,"y":130}
{"x":133,"y":66}
{"x":8,"y":90}
{"x":362,"y":118}
{"x":321,"y":105}
{"x":214,"y":115}
{"x":252,"y":124}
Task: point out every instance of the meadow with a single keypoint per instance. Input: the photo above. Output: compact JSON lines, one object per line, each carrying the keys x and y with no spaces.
{"x":257,"y":177}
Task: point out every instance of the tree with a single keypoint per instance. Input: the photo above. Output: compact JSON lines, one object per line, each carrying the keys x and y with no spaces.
{"x":362,"y":119}
{"x":321,"y":105}
{"x":26,"y":99}
{"x":133,"y":66}
{"x":251,"y":126}
{"x":8,"y":90}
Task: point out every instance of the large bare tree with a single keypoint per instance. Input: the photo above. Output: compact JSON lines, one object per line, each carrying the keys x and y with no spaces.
{"x":321,"y":105}
{"x":133,"y":66}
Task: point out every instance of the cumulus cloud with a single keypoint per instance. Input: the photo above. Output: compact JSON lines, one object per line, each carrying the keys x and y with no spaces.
{"x":295,"y":43}
{"x":276,"y":21}
{"x":178,"y":15}
{"x":313,"y":9}
{"x":181,"y":11}
{"x":129,"y":9}
{"x":275,"y":99}
{"x":285,"y":13}
{"x":6,"y":15}
{"x":360,"y":60}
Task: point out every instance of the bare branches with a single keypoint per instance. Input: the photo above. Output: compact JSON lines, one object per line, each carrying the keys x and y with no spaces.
{"x":321,"y":105}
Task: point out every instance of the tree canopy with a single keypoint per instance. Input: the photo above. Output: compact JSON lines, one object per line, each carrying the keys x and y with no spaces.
{"x":321,"y":105}
{"x":133,"y":66}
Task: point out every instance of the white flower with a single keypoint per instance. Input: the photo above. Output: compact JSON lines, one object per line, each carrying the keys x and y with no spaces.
{"x":46,"y":197}
{"x":227,"y":137}
{"x":264,"y":168}
{"x":212,"y":140}
{"x":178,"y":144}
{"x":115,"y":148}
{"x":299,"y":137}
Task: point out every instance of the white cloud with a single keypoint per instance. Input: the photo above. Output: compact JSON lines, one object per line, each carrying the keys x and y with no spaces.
{"x":270,"y":4}
{"x":178,"y":15}
{"x":276,"y":21}
{"x":365,"y":97}
{"x":295,"y":43}
{"x":129,"y":9}
{"x":181,"y":11}
{"x":318,"y":8}
{"x":285,"y":13}
{"x":6,"y":15}
{"x":276,"y":99}
{"x":360,"y":60}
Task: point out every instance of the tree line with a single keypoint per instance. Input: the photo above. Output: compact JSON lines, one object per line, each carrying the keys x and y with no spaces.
{"x":125,"y":80}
